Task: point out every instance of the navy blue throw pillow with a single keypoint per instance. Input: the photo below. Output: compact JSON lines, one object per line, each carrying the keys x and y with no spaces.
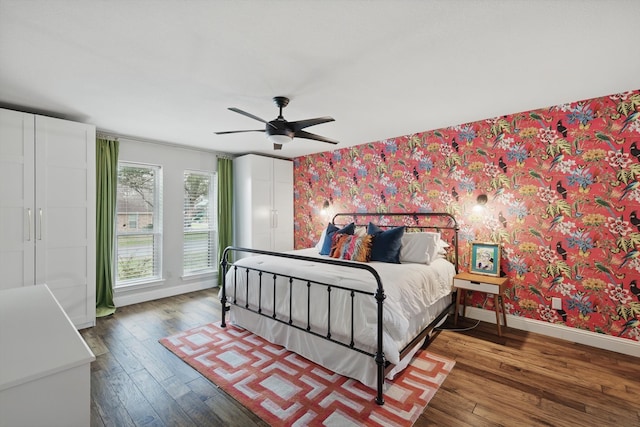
{"x":386,"y":243}
{"x":331,"y":230}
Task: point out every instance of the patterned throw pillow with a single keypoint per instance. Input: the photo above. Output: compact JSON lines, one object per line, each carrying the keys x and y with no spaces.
{"x":351,"y":247}
{"x":331,"y":230}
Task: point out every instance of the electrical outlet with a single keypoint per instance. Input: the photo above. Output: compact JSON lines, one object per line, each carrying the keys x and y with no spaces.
{"x":556,"y":303}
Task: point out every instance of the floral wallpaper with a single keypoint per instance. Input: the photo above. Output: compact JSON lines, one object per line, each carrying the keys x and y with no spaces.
{"x":563,"y":187}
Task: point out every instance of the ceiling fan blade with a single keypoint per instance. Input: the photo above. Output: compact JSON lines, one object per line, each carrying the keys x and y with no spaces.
{"x":301,"y":124}
{"x":308,"y":135}
{"x":239,"y":131}
{"x":277,"y":146}
{"x":244,"y":113}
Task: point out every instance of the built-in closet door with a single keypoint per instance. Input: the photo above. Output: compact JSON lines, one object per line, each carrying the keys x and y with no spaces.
{"x":261,"y":202}
{"x":17,"y":199}
{"x":282,"y":231}
{"x":263,"y":198}
{"x":47,"y":209}
{"x":65,"y":213}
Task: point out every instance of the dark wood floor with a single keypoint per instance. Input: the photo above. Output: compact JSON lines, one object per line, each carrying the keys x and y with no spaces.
{"x":519,"y":379}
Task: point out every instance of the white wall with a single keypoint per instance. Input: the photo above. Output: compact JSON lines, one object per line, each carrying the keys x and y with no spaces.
{"x":174,"y":161}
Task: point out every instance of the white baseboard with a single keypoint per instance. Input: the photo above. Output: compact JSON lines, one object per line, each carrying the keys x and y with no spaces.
{"x":150,"y":294}
{"x":606,"y":342}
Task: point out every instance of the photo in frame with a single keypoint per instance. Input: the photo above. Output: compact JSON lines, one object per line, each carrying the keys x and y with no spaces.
{"x":485,"y":258}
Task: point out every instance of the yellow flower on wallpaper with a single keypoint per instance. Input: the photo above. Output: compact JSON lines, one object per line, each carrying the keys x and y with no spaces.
{"x":594,"y":155}
{"x":594,"y":220}
{"x":594,"y":284}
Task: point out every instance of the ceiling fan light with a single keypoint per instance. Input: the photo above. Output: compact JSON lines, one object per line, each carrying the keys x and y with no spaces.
{"x":280,"y":139}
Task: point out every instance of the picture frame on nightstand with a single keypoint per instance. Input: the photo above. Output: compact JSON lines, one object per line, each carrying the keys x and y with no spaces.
{"x":485,"y":258}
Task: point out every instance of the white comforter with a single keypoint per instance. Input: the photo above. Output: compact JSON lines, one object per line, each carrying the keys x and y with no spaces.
{"x":409,"y":288}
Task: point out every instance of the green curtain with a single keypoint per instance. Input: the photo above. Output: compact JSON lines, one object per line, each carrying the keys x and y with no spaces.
{"x":106,"y":189}
{"x":225,"y":205}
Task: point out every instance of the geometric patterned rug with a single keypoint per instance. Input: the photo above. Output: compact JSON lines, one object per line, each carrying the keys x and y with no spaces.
{"x":285,"y":389}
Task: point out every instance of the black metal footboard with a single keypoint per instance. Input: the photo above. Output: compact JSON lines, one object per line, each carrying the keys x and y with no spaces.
{"x":287,"y":318}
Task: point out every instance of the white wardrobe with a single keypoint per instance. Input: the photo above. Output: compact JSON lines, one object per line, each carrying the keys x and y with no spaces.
{"x":263,"y":198}
{"x":47,"y":209}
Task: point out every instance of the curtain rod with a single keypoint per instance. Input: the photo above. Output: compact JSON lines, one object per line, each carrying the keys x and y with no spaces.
{"x":105,"y":136}
{"x":117,"y":136}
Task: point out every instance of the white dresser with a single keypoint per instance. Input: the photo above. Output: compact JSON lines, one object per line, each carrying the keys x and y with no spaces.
{"x":45,"y":375}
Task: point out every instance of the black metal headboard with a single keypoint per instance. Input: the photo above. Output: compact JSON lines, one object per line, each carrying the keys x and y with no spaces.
{"x":438,"y":221}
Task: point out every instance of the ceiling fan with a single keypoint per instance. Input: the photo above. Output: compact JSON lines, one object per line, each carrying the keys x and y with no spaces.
{"x":279,"y":131}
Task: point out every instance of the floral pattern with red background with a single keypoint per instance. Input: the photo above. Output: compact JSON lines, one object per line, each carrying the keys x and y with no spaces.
{"x":564,"y":202}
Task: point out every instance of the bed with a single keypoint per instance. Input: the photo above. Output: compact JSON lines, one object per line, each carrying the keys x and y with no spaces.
{"x":364,"y":320}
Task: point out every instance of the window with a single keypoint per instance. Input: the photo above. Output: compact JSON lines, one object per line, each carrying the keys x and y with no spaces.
{"x":200,"y":225}
{"x":138,"y":224}
{"x":133,"y":221}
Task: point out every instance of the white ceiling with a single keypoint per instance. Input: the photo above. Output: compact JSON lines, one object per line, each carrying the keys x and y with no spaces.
{"x":167,"y":70}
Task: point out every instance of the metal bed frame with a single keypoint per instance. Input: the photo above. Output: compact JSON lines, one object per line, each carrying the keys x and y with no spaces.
{"x":383,"y":366}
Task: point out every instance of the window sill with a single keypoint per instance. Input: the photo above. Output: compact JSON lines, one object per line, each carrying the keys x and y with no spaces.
{"x":137,"y":285}
{"x":200,"y":274}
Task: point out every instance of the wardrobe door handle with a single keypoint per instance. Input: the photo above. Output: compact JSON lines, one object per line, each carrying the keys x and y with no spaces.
{"x":40,"y":226}
{"x":29,"y":220}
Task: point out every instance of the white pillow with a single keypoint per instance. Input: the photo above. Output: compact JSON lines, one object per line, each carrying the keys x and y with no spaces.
{"x":420,"y":247}
{"x":442,"y":246}
{"x":321,"y":241}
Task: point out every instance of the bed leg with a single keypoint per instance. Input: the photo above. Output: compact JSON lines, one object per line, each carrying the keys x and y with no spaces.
{"x":380,"y":361}
{"x":223,"y":297}
{"x":224,"y":309}
{"x":380,"y":297}
{"x":223,"y":323}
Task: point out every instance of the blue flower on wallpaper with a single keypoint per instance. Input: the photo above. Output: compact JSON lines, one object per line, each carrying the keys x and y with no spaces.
{"x":517,"y":153}
{"x":425,"y":164}
{"x":467,"y":183}
{"x":390,"y":146}
{"x":467,"y":235}
{"x":391,"y":189}
{"x":581,"y":240}
{"x":581,"y":114}
{"x":581,"y":303}
{"x":337,"y":192}
{"x":315,"y":177}
{"x":518,"y":209}
{"x":362,"y":172}
{"x":337,"y":156}
{"x":467,"y":133}
{"x":517,"y":264}
{"x":581,"y":177}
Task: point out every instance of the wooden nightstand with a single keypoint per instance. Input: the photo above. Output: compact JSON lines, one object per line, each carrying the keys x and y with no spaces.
{"x":480,"y":283}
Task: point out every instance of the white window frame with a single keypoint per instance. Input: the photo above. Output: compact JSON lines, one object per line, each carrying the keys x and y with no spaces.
{"x":155,"y":232}
{"x":212,"y":226}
